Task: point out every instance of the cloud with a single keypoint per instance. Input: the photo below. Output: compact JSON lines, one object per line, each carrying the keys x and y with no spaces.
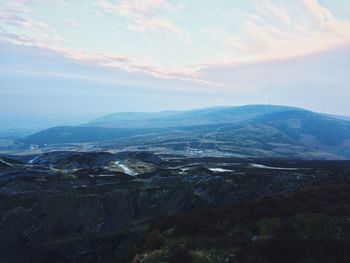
{"x":36,"y":78}
{"x":16,"y":19}
{"x":318,"y":81}
{"x":324,"y":67}
{"x":278,"y":12}
{"x":10,"y":17}
{"x":146,"y":15}
{"x":115,"y":63}
{"x":141,"y":8}
{"x":156,"y":25}
{"x":17,"y":26}
{"x":13,"y":14}
{"x":275,"y":31}
{"x":270,"y":31}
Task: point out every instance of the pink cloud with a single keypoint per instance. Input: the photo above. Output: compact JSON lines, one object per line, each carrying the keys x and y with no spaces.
{"x":140,"y":8}
{"x":146,"y":15}
{"x":276,"y":31}
{"x":10,"y":18}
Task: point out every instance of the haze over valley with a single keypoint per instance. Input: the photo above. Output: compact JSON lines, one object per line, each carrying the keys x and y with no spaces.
{"x":263,"y":131}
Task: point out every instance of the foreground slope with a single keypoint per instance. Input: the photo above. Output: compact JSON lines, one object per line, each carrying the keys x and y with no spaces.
{"x":82,"y":207}
{"x":310,"y":225}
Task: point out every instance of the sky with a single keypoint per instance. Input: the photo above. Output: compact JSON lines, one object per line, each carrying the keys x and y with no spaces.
{"x":73,"y":60}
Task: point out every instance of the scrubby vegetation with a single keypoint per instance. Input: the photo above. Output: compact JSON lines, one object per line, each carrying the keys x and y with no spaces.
{"x":308,"y":226}
{"x":71,"y":206}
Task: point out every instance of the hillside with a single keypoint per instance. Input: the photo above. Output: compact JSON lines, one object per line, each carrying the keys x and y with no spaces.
{"x":71,"y":206}
{"x":78,"y":134}
{"x":307,"y":226}
{"x":207,"y":116}
{"x":260,"y":131}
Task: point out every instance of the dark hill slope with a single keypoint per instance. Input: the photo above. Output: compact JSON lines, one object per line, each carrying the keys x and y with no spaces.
{"x":296,"y":123}
{"x":78,"y":134}
{"x":307,"y":226}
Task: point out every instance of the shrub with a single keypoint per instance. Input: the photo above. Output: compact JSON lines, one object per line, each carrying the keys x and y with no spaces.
{"x":154,"y":240}
{"x":179,"y":253}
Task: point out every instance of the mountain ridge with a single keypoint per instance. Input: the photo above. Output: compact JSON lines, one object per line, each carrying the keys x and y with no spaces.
{"x":252,"y":130}
{"x":192,"y":117}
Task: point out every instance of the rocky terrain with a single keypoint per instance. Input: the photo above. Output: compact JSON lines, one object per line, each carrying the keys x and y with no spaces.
{"x":107,"y":207}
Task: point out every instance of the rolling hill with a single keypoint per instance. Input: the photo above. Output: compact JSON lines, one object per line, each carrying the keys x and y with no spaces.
{"x":207,"y":116}
{"x":249,"y":131}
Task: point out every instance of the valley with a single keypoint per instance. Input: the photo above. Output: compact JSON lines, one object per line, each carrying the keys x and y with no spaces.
{"x":225,"y":184}
{"x":257,"y":131}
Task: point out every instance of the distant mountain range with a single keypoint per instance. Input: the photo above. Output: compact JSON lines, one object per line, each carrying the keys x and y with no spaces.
{"x":252,"y":131}
{"x":207,"y":116}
